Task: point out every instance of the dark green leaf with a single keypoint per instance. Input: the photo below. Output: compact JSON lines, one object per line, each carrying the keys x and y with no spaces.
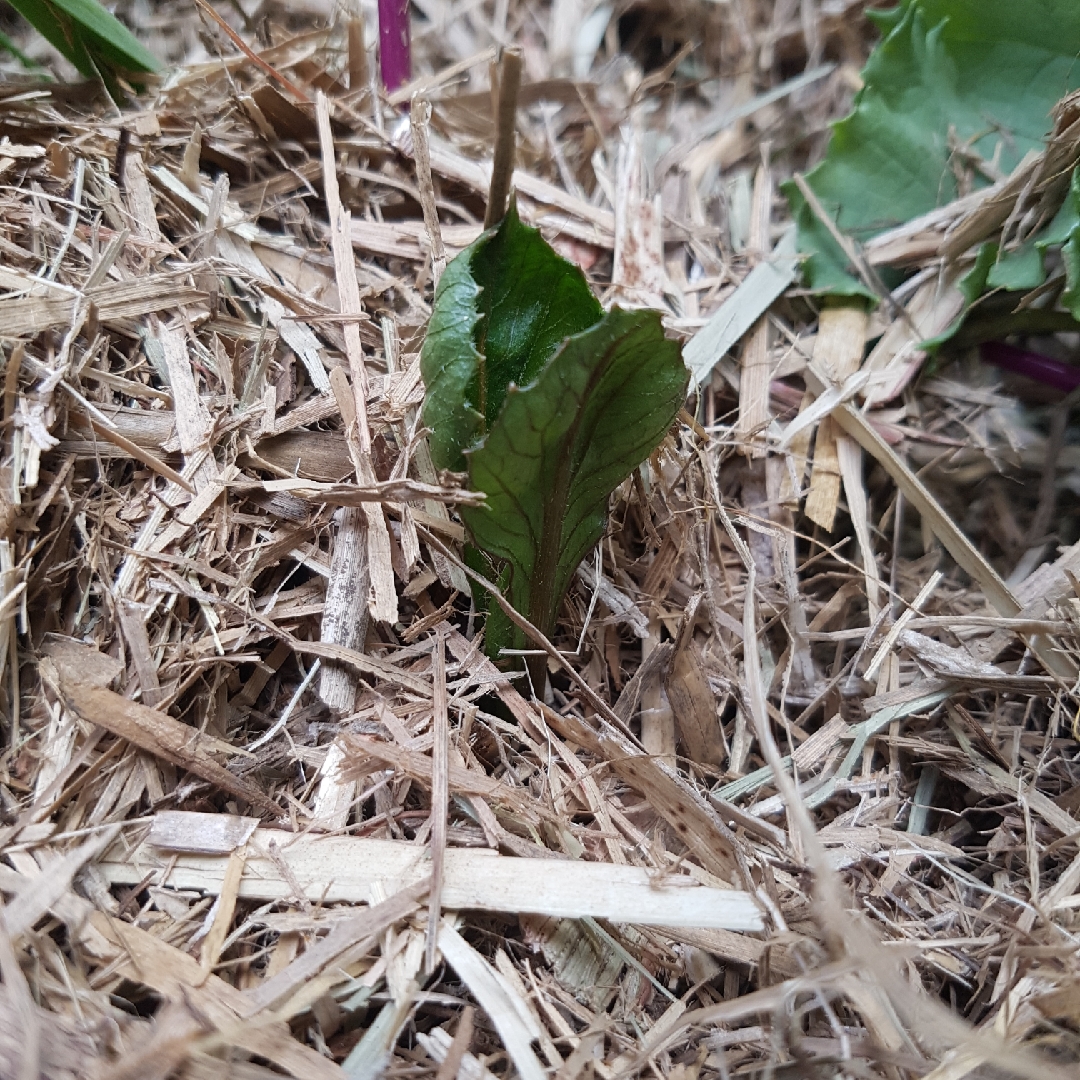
{"x":499,"y":632}
{"x":450,"y":364}
{"x":547,"y":403}
{"x":1070,"y":256}
{"x":1067,"y":227}
{"x":503,"y":307}
{"x":562,"y":445}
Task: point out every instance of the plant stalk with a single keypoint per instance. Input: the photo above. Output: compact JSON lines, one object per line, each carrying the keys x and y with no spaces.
{"x":502,"y":169}
{"x":395,"y":55}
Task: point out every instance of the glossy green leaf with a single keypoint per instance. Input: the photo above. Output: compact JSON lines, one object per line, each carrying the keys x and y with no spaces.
{"x":90,"y":37}
{"x":950,"y":75}
{"x":560,"y":447}
{"x":503,"y":307}
{"x":547,"y":403}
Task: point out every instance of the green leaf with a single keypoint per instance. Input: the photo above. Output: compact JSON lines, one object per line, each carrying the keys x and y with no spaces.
{"x":547,"y":403}
{"x":1070,"y":256}
{"x":983,"y":74}
{"x":973,"y":283}
{"x":1020,"y":269}
{"x":86,"y":34}
{"x":450,"y":364}
{"x":1067,"y":218}
{"x":563,"y":444}
{"x":499,"y":632}
{"x":1066,"y":229}
{"x":503,"y":307}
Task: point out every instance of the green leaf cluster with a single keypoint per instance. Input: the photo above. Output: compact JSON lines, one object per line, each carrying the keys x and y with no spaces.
{"x":96,"y":42}
{"x":950,"y":79}
{"x":546,"y":402}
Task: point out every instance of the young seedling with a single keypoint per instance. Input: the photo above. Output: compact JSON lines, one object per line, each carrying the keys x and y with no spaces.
{"x":547,"y":403}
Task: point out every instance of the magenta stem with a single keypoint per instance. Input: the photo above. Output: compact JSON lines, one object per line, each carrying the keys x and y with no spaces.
{"x":1055,"y":373}
{"x":395,"y":55}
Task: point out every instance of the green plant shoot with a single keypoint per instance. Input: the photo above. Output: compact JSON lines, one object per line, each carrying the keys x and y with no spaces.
{"x":546,"y":402}
{"x":956,"y":88}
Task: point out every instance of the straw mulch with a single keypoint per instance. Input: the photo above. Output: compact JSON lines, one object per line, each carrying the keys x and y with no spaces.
{"x":269,"y":810}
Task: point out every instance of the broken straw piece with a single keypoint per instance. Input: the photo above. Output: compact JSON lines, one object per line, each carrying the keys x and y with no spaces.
{"x":341,"y":869}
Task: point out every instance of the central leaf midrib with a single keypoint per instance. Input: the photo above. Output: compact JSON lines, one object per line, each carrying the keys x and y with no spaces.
{"x":540,"y":597}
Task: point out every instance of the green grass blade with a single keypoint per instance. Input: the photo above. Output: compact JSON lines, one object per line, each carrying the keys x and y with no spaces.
{"x":85,"y":33}
{"x":7,"y":45}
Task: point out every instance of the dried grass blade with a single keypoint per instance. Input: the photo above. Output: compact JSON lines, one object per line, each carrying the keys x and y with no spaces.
{"x":448,"y":1067}
{"x":223,"y":915}
{"x":740,"y":311}
{"x":177,"y":977}
{"x":849,"y":457}
{"x":139,"y":454}
{"x":440,"y":797}
{"x":838,"y":349}
{"x":420,"y":118}
{"x":383,"y":603}
{"x":160,"y":735}
{"x":497,"y":999}
{"x":22,"y":1005}
{"x":348,"y":869}
{"x":901,"y":624}
{"x":955,"y":542}
{"x":755,"y":364}
{"x":355,"y":934}
{"x":254,"y":57}
{"x":42,"y":893}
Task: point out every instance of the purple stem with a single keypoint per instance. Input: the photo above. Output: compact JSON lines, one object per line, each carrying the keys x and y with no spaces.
{"x":395,"y":56}
{"x":1055,"y":373}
